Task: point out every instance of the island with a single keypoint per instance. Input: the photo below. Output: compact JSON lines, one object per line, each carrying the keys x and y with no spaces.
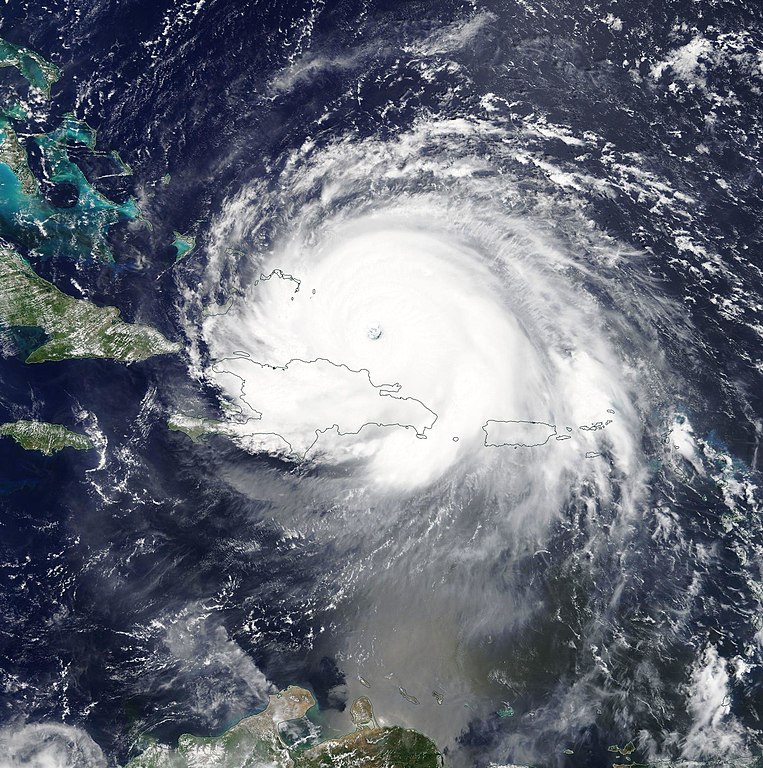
{"x":262,"y":740}
{"x":14,"y":156}
{"x":72,"y":328}
{"x":43,"y":437}
{"x":39,"y":73}
{"x":70,"y":217}
{"x":518,"y":434}
{"x":51,"y":324}
{"x":288,"y":409}
{"x":31,"y":219}
{"x":183,"y":245}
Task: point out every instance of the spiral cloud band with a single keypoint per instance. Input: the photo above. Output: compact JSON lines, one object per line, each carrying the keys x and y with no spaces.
{"x":463,"y":371}
{"x":367,"y":317}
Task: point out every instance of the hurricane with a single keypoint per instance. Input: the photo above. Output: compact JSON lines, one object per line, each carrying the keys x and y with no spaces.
{"x":441,"y":267}
{"x":420,"y":261}
{"x":399,"y":383}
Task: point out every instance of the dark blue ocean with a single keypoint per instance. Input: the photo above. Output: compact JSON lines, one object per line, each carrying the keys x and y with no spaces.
{"x":147,"y":587}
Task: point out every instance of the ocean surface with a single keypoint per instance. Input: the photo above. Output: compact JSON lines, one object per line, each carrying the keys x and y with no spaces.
{"x":554,"y":209}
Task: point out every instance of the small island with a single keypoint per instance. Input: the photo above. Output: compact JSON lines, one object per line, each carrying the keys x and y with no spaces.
{"x":43,"y":437}
{"x":258,"y":740}
{"x":183,"y":245}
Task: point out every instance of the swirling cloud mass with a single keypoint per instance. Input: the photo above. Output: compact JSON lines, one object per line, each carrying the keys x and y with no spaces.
{"x":470,"y":384}
{"x":469,"y":394}
{"x":426,"y":272}
{"x":426,"y":277}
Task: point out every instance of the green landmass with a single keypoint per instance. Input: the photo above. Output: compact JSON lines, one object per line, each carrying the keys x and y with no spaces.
{"x":73,"y":328}
{"x":39,"y":73}
{"x":194,"y":428}
{"x":370,"y":746}
{"x":43,"y":437}
{"x":257,"y":742}
{"x":13,"y":155}
{"x":184,"y":244}
{"x":197,"y":429}
{"x":393,"y":747}
{"x":33,"y":312}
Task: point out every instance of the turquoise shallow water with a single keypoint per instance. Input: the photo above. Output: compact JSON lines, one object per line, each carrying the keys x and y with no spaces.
{"x":77,"y":231}
{"x":150,"y":587}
